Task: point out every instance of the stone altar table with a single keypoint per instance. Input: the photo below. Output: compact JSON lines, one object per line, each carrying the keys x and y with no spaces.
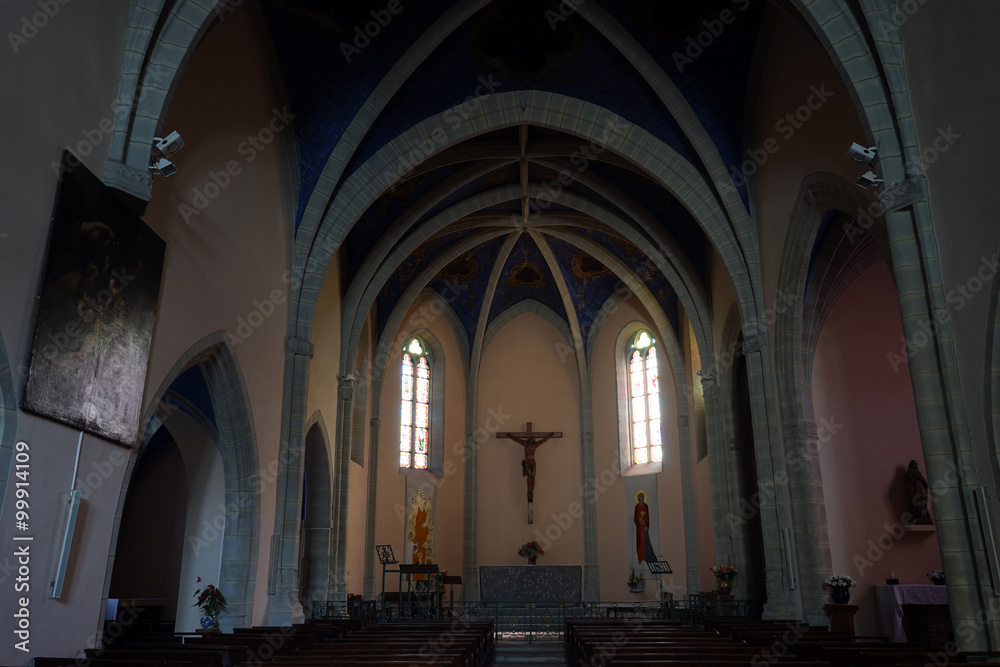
{"x":531,"y":583}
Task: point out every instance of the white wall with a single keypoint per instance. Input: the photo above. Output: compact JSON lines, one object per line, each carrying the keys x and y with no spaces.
{"x":59,"y":86}
{"x":954,"y":110}
{"x":206,"y":516}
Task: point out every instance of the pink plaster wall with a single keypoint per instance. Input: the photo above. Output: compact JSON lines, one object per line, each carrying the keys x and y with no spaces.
{"x":855,"y":387}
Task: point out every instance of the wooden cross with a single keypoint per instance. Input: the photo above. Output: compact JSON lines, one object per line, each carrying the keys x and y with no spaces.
{"x":530,"y":441}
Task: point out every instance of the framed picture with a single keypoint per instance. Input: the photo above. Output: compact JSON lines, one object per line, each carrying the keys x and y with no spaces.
{"x":96,"y":309}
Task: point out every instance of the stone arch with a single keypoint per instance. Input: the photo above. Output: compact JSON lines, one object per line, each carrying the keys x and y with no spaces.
{"x":314,"y":582}
{"x":237,"y":444}
{"x":160,"y":38}
{"x":576,"y":117}
{"x":798,"y":314}
{"x":886,"y":114}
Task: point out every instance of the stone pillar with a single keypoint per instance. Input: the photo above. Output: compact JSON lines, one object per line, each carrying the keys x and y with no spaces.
{"x":771,"y":506}
{"x":371,"y":565}
{"x":284,"y":607}
{"x":342,"y":478}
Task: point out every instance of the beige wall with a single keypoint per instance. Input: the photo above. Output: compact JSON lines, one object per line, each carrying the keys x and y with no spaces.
{"x":448,"y":504}
{"x":221,"y":264}
{"x":794,"y":67}
{"x":524,"y":376}
{"x":614,"y":504}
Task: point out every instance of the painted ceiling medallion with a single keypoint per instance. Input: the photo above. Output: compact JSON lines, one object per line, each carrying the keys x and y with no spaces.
{"x":527,"y":274}
{"x":462,"y":269}
{"x":584,"y":266}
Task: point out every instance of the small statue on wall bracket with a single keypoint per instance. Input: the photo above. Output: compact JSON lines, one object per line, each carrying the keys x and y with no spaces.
{"x":917,"y":496}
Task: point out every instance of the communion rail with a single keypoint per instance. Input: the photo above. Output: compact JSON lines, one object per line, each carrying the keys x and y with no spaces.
{"x":527,"y":621}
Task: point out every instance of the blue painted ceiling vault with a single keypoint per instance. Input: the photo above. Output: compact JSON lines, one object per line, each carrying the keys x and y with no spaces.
{"x":520,"y":184}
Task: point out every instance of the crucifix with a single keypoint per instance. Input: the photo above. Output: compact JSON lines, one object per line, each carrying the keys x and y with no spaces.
{"x":530,"y":441}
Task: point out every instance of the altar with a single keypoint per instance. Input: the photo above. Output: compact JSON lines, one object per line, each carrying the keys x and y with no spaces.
{"x":891,"y":601}
{"x":531,"y":583}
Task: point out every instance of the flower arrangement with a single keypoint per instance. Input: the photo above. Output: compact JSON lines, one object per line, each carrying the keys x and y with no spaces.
{"x":936,"y":576}
{"x":530,"y":550}
{"x":724,"y":572}
{"x":839,"y":581}
{"x":634,"y":578}
{"x":209,"y":599}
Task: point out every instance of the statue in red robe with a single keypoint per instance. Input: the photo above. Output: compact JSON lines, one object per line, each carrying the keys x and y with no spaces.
{"x":641,"y":519}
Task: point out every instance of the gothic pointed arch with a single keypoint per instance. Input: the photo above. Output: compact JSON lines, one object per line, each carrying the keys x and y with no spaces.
{"x":215,"y":358}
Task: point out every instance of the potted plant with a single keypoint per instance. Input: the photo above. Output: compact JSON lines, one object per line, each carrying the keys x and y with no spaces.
{"x":636,"y":584}
{"x":840,"y":586}
{"x":531,"y":550}
{"x":211,"y":601}
{"x":936,"y":577}
{"x":724,"y":575}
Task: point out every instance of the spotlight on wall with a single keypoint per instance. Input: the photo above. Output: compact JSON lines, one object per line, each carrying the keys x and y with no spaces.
{"x":859,"y":153}
{"x":169,"y":144}
{"x":868,"y":179}
{"x":163,"y":166}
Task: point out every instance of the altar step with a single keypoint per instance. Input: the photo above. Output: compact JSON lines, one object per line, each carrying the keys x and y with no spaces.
{"x":545,"y":652}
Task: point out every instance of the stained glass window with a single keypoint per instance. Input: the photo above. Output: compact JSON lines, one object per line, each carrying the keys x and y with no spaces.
{"x":414,"y":420}
{"x":644,"y":399}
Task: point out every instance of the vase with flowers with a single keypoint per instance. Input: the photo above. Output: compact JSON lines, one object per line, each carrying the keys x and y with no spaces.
{"x":724,"y":575}
{"x":840,"y":586}
{"x":530,"y":551}
{"x":936,"y":577}
{"x":211,"y":601}
{"x":636,"y":584}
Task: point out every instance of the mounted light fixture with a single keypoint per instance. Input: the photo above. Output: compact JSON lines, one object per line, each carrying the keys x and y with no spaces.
{"x":166,"y":146}
{"x":163,"y":166}
{"x":859,"y":153}
{"x":170,"y":144}
{"x":868,"y":179}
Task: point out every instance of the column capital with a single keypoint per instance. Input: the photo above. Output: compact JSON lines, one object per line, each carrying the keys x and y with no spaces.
{"x":300,"y":346}
{"x":345,"y":386}
{"x":752,"y":344}
{"x":128,"y":179}
{"x":902,"y":194}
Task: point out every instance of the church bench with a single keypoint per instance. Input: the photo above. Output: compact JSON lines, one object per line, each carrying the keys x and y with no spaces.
{"x":336,"y":662}
{"x":627,"y":653}
{"x":254,"y":643}
{"x":200,"y":657}
{"x":300,"y":635}
{"x":853,"y":655}
{"x":467,"y":652}
{"x":105,"y":662}
{"x":654,"y":659}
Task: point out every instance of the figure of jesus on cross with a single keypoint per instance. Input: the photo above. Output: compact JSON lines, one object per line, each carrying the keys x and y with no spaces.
{"x":530,"y":441}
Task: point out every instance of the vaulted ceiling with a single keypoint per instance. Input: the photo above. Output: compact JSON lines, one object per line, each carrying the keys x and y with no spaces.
{"x":526,"y":211}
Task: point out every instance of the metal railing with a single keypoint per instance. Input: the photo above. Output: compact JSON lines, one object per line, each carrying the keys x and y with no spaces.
{"x":528,"y":621}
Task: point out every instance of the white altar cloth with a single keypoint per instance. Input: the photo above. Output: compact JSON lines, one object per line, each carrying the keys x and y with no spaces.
{"x":890,"y":601}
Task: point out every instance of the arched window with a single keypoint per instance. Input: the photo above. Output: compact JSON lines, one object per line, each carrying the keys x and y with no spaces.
{"x":644,"y":400}
{"x":414,"y":425}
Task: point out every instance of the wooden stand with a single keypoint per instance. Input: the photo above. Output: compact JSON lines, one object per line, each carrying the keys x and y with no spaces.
{"x":210,"y":631}
{"x":841,"y":617}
